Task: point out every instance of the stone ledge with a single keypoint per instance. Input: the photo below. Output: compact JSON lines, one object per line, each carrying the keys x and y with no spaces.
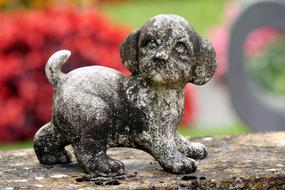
{"x":254,"y":161}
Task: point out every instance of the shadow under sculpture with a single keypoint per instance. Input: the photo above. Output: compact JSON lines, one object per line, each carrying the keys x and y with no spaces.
{"x":96,"y":108}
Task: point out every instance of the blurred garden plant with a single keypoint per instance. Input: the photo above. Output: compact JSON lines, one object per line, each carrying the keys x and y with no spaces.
{"x":28,"y":38}
{"x":267,"y":68}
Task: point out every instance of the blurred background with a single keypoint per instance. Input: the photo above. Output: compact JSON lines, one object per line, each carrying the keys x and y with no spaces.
{"x":31,"y":30}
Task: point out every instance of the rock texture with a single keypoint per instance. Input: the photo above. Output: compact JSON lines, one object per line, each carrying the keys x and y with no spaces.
{"x":97,"y":108}
{"x":254,"y":162}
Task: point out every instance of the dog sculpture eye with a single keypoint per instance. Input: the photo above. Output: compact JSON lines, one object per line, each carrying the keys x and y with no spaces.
{"x":151,"y":44}
{"x":180,"y":50}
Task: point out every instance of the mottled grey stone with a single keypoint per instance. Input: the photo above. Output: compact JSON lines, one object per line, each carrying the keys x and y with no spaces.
{"x":96,"y":108}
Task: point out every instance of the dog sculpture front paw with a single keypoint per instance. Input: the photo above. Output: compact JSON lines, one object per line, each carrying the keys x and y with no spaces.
{"x":190,"y":149}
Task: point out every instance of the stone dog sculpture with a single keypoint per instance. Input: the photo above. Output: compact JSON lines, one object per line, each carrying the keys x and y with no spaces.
{"x":95,"y":108}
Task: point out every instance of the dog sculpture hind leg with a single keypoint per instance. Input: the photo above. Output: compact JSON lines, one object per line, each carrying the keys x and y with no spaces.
{"x":85,"y":104}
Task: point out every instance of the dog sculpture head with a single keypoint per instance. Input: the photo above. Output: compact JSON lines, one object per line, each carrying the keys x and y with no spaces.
{"x":167,"y":50}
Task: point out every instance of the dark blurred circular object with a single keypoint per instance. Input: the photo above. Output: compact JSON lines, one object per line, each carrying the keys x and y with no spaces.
{"x":250,"y":102}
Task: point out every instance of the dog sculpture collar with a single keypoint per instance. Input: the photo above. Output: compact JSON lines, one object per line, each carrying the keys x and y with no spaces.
{"x":95,"y":108}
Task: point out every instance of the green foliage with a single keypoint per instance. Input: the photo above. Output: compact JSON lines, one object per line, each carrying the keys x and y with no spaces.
{"x":268,"y":68}
{"x":201,"y":14}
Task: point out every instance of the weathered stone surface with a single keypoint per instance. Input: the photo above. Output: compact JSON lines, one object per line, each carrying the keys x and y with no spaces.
{"x":254,"y":161}
{"x":96,"y":108}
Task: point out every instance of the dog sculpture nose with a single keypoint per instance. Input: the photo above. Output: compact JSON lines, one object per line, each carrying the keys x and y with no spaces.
{"x":161,"y":55}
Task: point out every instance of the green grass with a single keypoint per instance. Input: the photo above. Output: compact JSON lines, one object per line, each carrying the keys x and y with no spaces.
{"x":234,"y":128}
{"x":17,"y":145}
{"x":202,"y":14}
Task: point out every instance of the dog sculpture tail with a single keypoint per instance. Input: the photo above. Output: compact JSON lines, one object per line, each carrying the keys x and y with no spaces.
{"x":54,"y":64}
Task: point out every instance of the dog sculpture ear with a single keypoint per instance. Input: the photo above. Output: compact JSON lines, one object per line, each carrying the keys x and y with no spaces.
{"x":129,"y":52}
{"x":205,"y":65}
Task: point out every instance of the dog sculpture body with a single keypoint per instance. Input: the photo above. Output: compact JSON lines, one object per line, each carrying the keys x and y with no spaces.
{"x":95,"y":108}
